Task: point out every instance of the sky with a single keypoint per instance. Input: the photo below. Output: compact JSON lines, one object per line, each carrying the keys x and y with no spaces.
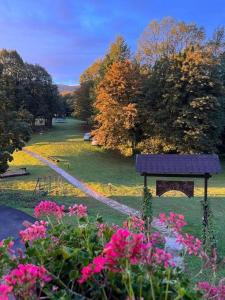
{"x":66,"y":36}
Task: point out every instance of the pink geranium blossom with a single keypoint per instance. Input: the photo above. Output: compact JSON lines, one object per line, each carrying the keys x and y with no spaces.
{"x":48,"y":208}
{"x":78,"y":209}
{"x":174,"y":221}
{"x":5,"y":290}
{"x":123,"y":245}
{"x":192,"y":244}
{"x":95,"y":267}
{"x":33,"y":232}
{"x":135,"y":223}
{"x":26,"y":276}
{"x":162,"y":257}
{"x":212,"y":292}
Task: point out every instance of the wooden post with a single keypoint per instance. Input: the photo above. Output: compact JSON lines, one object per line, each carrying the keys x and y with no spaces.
{"x":145,"y":181}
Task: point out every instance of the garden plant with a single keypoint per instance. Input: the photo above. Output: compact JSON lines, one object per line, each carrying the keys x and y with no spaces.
{"x":68,"y":255}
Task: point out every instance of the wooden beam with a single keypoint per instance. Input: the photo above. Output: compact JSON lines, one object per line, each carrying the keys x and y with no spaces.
{"x":177,"y":175}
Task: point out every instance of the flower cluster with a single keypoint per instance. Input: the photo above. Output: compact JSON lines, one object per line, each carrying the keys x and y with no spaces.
{"x":174,"y":221}
{"x":96,"y":266}
{"x":5,"y":290}
{"x":212,"y":292}
{"x":135,"y":222}
{"x":78,"y":209}
{"x":104,"y":227}
{"x":125,"y":245}
{"x":191,"y":243}
{"x":34,"y":231}
{"x":161,"y":257}
{"x":48,"y":208}
{"x":26,"y":276}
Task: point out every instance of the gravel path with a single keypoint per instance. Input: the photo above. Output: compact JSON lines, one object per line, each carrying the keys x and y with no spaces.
{"x":84,"y":187}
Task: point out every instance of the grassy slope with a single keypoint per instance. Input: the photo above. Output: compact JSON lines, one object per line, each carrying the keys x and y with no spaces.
{"x":98,"y":168}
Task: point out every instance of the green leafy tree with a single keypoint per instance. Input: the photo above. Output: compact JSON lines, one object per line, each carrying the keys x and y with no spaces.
{"x":14,"y":128}
{"x":184,"y":109}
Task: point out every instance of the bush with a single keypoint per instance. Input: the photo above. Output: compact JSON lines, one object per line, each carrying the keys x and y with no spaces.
{"x":69,"y":256}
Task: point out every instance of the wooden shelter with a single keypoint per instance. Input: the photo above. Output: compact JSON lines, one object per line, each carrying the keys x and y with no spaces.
{"x":182,"y":166}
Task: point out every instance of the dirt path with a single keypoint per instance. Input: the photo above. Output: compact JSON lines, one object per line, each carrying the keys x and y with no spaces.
{"x":84,"y":187}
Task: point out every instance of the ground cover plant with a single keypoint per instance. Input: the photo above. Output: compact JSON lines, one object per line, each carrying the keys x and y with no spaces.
{"x":95,"y":260}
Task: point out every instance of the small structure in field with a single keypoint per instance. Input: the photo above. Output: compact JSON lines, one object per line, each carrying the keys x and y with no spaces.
{"x":14,"y":172}
{"x":50,"y":185}
{"x":184,"y":166}
{"x":39,"y":122}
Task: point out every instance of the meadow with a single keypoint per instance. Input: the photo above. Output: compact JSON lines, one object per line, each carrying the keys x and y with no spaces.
{"x":108,"y":173}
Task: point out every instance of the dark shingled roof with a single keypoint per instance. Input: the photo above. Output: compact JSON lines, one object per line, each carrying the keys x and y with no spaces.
{"x":196,"y":164}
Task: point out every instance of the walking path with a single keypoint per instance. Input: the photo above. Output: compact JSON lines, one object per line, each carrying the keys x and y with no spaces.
{"x":11,"y":222}
{"x":84,"y":187}
{"x":171,"y":245}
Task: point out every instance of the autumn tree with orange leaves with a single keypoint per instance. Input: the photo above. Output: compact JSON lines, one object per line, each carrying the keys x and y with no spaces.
{"x":118,"y":97}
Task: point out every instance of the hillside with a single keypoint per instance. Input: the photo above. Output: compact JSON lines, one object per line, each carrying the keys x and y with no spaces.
{"x":64,"y":89}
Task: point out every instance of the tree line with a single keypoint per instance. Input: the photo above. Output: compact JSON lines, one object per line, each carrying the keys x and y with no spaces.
{"x":26,"y":93}
{"x":169,"y":97}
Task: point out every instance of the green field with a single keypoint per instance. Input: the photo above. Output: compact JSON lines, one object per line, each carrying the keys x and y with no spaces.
{"x":102,"y":169}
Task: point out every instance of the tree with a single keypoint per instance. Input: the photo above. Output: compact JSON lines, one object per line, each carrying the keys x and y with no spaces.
{"x":118,"y":51}
{"x":14,"y":128}
{"x":85,"y":96}
{"x":83,"y":109}
{"x":184,"y":105}
{"x":43,"y":97}
{"x":167,"y":37}
{"x":117,"y":107}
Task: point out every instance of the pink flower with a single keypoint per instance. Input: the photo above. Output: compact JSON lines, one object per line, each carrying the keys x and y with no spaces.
{"x":135,"y":223}
{"x":34,"y":232}
{"x":191,"y":243}
{"x":212,"y":292}
{"x":47,"y":208}
{"x":156,"y":238}
{"x":26,"y":276}
{"x":123,"y":245}
{"x":78,"y":209}
{"x":5,"y":290}
{"x":160,"y":256}
{"x":174,"y":221}
{"x":94,"y":268}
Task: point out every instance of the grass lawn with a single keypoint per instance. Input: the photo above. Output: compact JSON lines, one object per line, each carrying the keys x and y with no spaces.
{"x":99,"y":168}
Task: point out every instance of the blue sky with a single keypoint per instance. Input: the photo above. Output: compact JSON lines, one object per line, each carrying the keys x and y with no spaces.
{"x":66,"y":36}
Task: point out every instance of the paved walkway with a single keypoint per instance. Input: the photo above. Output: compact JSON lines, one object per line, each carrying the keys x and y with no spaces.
{"x":84,"y":187}
{"x":171,"y":245}
{"x":11,"y":222}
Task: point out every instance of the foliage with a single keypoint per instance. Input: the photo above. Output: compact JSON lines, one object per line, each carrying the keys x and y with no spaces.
{"x":147,"y":213}
{"x":94,"y":260}
{"x":27,"y":92}
{"x":167,"y":38}
{"x":189,"y":115}
{"x":118,"y":95}
{"x":85,"y":96}
{"x":14,"y":129}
